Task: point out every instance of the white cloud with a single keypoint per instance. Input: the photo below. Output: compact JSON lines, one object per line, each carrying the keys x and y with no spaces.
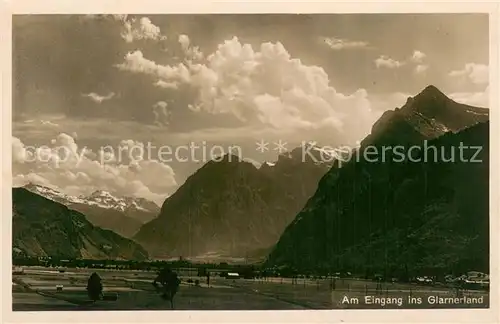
{"x":278,"y":90}
{"x":191,"y":53}
{"x":195,"y":108}
{"x":264,"y":85}
{"x":99,"y":98}
{"x":476,"y":73}
{"x":184,"y":41}
{"x":49,"y":123}
{"x":418,"y":56}
{"x":161,"y":113}
{"x":166,"y":84}
{"x":479,"y":99}
{"x":340,"y":44}
{"x":41,"y":122}
{"x":161,"y":104}
{"x":135,"y":62}
{"x":62,"y":164}
{"x":141,"y":29}
{"x":19,"y":152}
{"x":421,"y":68}
{"x":387,"y":62}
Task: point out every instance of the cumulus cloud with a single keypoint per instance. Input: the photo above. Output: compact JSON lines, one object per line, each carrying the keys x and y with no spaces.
{"x":133,"y":29}
{"x":97,"y":97}
{"x":191,"y":53}
{"x":161,"y":113}
{"x":418,"y":56}
{"x":265,"y":85}
{"x":184,"y":41}
{"x":270,"y":85}
{"x":476,"y":73}
{"x":387,"y":62}
{"x":141,"y":29}
{"x":340,"y":44}
{"x":19,"y":152}
{"x":79,"y":171}
{"x":136,"y":62}
{"x":166,"y":84}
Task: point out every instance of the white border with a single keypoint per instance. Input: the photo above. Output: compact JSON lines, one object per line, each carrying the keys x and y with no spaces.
{"x":307,"y":316}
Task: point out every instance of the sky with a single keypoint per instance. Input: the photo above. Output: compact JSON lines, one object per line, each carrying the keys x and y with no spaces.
{"x":89,"y":91}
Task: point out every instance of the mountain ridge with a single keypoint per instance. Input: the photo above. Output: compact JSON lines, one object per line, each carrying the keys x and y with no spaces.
{"x":425,"y":116}
{"x":124,"y":215}
{"x":101,"y":198}
{"x":231,"y":207}
{"x":43,"y":227}
{"x":362,"y":216}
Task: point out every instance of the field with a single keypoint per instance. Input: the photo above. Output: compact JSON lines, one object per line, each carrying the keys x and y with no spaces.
{"x":134,"y":291}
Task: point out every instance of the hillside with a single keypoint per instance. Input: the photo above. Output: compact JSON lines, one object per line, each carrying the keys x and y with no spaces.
{"x":401,"y":217}
{"x":123,"y":215}
{"x":42,"y":227}
{"x":231,"y":207}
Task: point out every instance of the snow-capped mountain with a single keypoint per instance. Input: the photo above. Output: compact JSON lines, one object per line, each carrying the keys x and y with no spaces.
{"x":105,"y":199}
{"x":99,"y":198}
{"x":41,"y":227}
{"x":52,"y":194}
{"x":124,"y":215}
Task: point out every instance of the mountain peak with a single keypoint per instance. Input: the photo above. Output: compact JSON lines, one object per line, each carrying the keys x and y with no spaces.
{"x":427,"y":96}
{"x":431,"y":92}
{"x":100,"y":198}
{"x":101,"y":193}
{"x":50,"y":193}
{"x":427,"y":115}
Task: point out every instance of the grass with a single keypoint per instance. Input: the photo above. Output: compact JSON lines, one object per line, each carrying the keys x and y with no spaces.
{"x":273,"y":293}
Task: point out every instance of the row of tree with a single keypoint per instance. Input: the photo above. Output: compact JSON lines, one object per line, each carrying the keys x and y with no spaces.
{"x":130,"y":264}
{"x":202,"y":269}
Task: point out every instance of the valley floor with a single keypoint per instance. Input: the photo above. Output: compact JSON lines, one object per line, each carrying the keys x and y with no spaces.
{"x":134,"y":293}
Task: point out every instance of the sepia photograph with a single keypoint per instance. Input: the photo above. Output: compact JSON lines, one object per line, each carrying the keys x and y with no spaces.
{"x":271,"y":161}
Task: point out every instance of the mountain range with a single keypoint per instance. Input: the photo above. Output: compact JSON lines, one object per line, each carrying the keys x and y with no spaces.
{"x":393,"y":216}
{"x":123,"y":215}
{"x":43,"y":227}
{"x":232,"y":207}
{"x":401,"y":217}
